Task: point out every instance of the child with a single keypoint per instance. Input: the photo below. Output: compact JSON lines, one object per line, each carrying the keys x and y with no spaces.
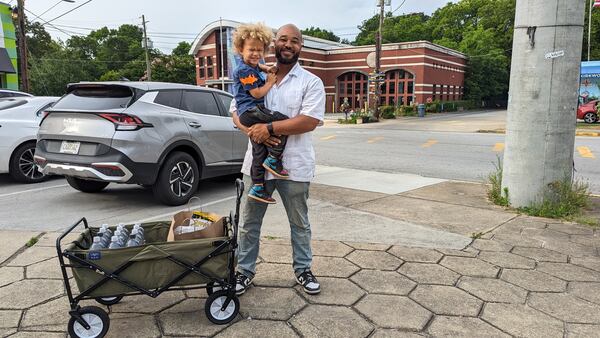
{"x":251,"y":41}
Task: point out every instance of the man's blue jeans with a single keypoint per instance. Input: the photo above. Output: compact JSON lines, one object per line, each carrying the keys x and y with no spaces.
{"x":294,"y":196}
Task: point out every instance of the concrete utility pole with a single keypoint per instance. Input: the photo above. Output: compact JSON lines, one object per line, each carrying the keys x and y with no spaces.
{"x":544,"y":83}
{"x":148,"y":68}
{"x":589,"y":40}
{"x":378,"y":40}
{"x":22,"y":41}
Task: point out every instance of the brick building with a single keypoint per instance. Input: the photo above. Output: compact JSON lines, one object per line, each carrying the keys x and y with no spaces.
{"x":414,"y":71}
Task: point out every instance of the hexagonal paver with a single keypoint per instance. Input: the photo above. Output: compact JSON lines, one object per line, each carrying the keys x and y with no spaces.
{"x":50,"y":316}
{"x":586,"y":290}
{"x":571,"y":229}
{"x":429,"y":273}
{"x":470,"y":266}
{"x":540,"y":254}
{"x":545,"y":235}
{"x":270,"y":303}
{"x":377,"y":260}
{"x":330,"y":248}
{"x":187,"y":319}
{"x":570,"y":248}
{"x":566,"y":307}
{"x":522,"y":320}
{"x":48,"y":269}
{"x":587,"y":262}
{"x":33,"y":255}
{"x":384,"y":282}
{"x":400,"y":312}
{"x":333,"y":267}
{"x":145,"y":304}
{"x":269,"y":274}
{"x":507,"y":260}
{"x":582,"y":330}
{"x":11,"y":296}
{"x":257,"y":328}
{"x":330,"y":321}
{"x":493,"y":290}
{"x":466,"y":327}
{"x":132,"y":326}
{"x":518,"y":240}
{"x":49,"y":239}
{"x":421,"y":255}
{"x":369,"y":246}
{"x":273,"y":253}
{"x":533,"y":280}
{"x":390,"y":333}
{"x":469,"y":252}
{"x":569,"y":272}
{"x":490,"y":245}
{"x":587,"y":240}
{"x":34,"y":334}
{"x":335,"y":291}
{"x":446,"y":300}
{"x":10,"y":274}
{"x":9,"y":318}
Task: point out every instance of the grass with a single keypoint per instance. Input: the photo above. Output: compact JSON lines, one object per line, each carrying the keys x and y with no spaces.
{"x":477,"y":235}
{"x":564,"y":199}
{"x":583,"y":125}
{"x":31,"y":242}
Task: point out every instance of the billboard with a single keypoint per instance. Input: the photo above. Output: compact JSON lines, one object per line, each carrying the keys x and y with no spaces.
{"x":589,"y":82}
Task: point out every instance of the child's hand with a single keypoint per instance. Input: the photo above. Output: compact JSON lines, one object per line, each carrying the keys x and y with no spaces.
{"x":271,"y":78}
{"x":272,"y":69}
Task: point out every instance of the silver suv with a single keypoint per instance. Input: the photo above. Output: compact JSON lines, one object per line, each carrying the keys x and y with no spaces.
{"x":164,"y":135}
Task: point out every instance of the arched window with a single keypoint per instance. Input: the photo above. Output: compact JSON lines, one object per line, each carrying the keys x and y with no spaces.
{"x":353,"y":86}
{"x":398,"y":88}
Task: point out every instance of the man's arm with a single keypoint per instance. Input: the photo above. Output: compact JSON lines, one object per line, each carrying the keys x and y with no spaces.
{"x":271,"y":141}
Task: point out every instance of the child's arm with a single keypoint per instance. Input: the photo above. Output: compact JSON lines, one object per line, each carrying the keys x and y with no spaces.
{"x":260,"y":92}
{"x":267,"y":69}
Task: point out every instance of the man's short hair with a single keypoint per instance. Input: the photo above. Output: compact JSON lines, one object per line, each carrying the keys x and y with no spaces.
{"x":256,"y":31}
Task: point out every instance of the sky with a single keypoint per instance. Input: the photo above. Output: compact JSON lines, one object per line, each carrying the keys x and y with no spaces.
{"x":170,"y":22}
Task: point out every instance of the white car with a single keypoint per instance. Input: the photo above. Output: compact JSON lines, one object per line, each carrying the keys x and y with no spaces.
{"x":19,"y":122}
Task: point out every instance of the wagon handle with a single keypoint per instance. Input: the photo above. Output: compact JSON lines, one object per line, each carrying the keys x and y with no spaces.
{"x":239,"y":187}
{"x":62,"y":261}
{"x":66,"y":232}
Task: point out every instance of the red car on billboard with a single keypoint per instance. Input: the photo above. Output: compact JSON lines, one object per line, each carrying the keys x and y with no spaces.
{"x":587,"y":112}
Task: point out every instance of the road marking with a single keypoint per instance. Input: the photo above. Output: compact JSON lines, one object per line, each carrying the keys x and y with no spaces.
{"x":499,"y":147}
{"x":375,"y":139}
{"x":429,"y":143}
{"x":585,"y":152}
{"x":184,"y":209}
{"x":327,"y":138}
{"x":33,"y":190}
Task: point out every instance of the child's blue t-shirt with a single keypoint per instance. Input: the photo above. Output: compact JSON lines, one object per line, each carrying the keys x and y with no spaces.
{"x":246,"y":78}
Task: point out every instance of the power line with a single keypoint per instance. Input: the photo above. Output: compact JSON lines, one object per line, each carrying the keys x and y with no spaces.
{"x":49,"y":9}
{"x":69,"y":11}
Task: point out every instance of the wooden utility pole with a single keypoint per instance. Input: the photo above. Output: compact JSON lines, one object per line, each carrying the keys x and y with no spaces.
{"x":23,"y":73}
{"x":148,"y":68}
{"x":378,"y":39}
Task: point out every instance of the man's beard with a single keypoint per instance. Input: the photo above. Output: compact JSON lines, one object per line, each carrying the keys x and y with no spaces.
{"x":282,"y":60}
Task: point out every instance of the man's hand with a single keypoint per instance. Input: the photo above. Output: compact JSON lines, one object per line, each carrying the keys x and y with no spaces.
{"x":259,"y":133}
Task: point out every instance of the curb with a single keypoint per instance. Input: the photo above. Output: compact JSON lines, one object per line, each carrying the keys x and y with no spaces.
{"x":577,"y":133}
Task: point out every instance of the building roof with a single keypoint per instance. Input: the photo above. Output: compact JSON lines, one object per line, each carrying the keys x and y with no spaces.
{"x":143,"y":85}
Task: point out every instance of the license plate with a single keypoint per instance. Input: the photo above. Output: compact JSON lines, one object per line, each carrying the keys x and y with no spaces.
{"x":68,"y":147}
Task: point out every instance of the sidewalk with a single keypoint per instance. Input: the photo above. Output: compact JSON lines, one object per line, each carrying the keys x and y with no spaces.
{"x":395,"y":259}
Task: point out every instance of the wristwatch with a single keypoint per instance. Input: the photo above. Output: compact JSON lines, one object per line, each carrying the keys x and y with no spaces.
{"x":270,"y":128}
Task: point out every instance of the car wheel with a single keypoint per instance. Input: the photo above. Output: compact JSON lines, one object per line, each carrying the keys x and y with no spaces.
{"x":590,"y":117}
{"x":86,"y":185}
{"x":177,"y":180}
{"x":22,"y":167}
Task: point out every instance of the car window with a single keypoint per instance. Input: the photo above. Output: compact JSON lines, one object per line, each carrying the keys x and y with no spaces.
{"x":96,"y":98}
{"x":41,"y":110}
{"x":7,"y":103}
{"x":169,"y":98}
{"x":226,"y":102}
{"x":199,"y":102}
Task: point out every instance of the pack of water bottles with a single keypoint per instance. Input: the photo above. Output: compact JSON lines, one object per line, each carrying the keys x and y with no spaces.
{"x":107,"y":239}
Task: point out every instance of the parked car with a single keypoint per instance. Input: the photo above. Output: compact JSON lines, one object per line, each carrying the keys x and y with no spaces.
{"x":19,"y":121}
{"x":12,"y":93}
{"x":587,"y":112}
{"x":164,"y":135}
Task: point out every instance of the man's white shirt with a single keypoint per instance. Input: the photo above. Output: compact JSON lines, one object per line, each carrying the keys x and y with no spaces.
{"x":299,"y":93}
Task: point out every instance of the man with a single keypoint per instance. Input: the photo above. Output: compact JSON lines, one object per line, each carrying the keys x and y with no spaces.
{"x":301,"y":96}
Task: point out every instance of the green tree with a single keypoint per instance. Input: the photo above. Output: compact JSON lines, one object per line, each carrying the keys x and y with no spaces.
{"x":182,"y":49}
{"x":407,"y":27}
{"x":321,"y":33}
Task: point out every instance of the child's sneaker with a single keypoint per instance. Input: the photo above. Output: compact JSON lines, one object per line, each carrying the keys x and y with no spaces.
{"x":259,"y":193}
{"x":275,"y":167}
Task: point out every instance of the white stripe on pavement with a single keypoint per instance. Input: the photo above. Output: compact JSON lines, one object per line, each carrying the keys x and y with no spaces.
{"x":33,"y":190}
{"x":187,"y":208}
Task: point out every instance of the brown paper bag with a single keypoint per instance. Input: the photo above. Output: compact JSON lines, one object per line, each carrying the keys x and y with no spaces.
{"x":215,"y":229}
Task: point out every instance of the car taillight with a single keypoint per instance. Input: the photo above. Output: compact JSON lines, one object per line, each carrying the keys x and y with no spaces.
{"x":124,"y":121}
{"x":44,"y":115}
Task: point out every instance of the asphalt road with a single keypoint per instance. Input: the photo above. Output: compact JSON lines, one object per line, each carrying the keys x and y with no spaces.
{"x":439,"y":146}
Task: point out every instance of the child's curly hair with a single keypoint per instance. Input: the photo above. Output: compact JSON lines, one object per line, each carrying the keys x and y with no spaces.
{"x":257,"y":31}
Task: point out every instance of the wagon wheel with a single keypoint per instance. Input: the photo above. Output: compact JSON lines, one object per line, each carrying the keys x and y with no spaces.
{"x":95,"y":317}
{"x":109,"y":300}
{"x":214,"y":307}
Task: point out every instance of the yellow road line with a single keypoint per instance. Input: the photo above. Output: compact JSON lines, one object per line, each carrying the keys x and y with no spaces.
{"x":429,"y":143}
{"x":375,"y":139}
{"x":327,"y":138}
{"x":499,"y":147}
{"x":585,"y":152}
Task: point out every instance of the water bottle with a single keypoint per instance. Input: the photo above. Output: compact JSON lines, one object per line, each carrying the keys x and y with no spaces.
{"x":139,"y":227}
{"x":134,"y":239}
{"x":107,"y":234}
{"x":123,"y":229}
{"x":115,"y":243}
{"x":97,"y":245}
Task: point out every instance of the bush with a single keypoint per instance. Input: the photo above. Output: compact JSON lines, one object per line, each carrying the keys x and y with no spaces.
{"x":406,"y":111}
{"x":562,"y":199}
{"x":495,"y":193}
{"x":388,"y":112}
